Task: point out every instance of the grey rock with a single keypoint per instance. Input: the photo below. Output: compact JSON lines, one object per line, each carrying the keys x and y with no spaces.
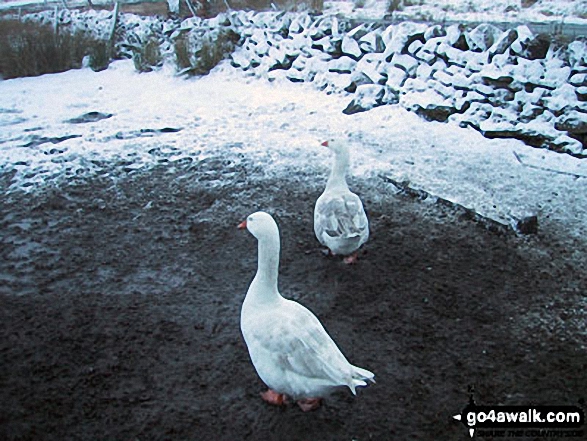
{"x":429,"y":104}
{"x":89,"y":117}
{"x":372,"y":42}
{"x":342,"y":65}
{"x":434,"y":32}
{"x":351,"y":47}
{"x":295,"y":76}
{"x":367,"y":96}
{"x":358,"y":32}
{"x":581,"y":93}
{"x":577,"y":53}
{"x":405,"y":62}
{"x":503,"y":43}
{"x":526,"y":225}
{"x":396,"y":77}
{"x":572,"y":122}
{"x":530,"y":46}
{"x":578,"y":79}
{"x":371,"y":71}
{"x":414,"y":47}
{"x":482,"y":37}
{"x":403,"y":35}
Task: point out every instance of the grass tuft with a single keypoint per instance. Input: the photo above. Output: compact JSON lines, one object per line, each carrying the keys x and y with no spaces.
{"x":200,"y":56}
{"x":31,"y":49}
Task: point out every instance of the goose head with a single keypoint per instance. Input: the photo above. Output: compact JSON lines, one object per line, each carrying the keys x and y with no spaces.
{"x":335,"y":146}
{"x":261,"y":225}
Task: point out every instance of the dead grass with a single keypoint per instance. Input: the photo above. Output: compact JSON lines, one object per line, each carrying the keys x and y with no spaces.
{"x":31,"y":49}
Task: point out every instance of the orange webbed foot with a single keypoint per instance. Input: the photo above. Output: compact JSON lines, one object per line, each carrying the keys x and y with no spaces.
{"x":308,"y":404}
{"x":352,"y":259}
{"x":272,"y":397}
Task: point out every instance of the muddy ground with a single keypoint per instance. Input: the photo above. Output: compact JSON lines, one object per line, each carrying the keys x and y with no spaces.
{"x":120,"y":300}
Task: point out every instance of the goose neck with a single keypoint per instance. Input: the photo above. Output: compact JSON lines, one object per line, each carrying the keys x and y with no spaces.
{"x":267,"y":268}
{"x":340,"y":166}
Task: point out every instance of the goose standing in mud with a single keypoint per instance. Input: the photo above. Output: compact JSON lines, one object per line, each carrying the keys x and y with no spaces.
{"x":290,"y":349}
{"x":340,"y":222}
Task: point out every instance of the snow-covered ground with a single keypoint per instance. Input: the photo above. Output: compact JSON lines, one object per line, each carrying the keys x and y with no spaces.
{"x":149,"y":118}
{"x":279,"y":126}
{"x":570,"y":11}
{"x":540,"y":11}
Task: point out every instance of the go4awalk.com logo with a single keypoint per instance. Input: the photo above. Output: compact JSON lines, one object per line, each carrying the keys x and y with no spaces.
{"x":523,"y":421}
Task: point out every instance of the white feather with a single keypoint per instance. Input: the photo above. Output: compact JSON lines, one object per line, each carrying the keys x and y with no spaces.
{"x":290,"y":349}
{"x":340,"y":221}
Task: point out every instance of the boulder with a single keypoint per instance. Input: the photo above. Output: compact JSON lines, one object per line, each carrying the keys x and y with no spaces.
{"x":403,"y":35}
{"x":339,"y":81}
{"x":429,"y":104}
{"x":572,"y":122}
{"x":577,"y":53}
{"x":526,"y":225}
{"x":434,"y":32}
{"x":330,"y":45}
{"x":370,"y":70}
{"x":350,"y":47}
{"x":427,"y":52}
{"x":241,"y":58}
{"x":367,"y":96}
{"x":342,"y":65}
{"x":560,"y":99}
{"x":395,"y":77}
{"x":295,"y":76}
{"x":457,"y":81}
{"x":529,"y":72}
{"x":567,"y":144}
{"x":529,"y":112}
{"x":357,"y":79}
{"x":299,"y":63}
{"x":578,"y":79}
{"x":372,"y":42}
{"x":581,"y":93}
{"x":473,"y":61}
{"x":405,"y":62}
{"x":358,"y":32}
{"x":299,"y":24}
{"x":414,"y":47}
{"x":423,"y":72}
{"x":455,"y":37}
{"x":530,"y":46}
{"x":482,"y":37}
{"x":502,"y":43}
{"x":89,"y":117}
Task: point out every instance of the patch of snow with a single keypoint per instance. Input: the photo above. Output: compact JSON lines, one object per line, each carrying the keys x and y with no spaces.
{"x":160,"y":118}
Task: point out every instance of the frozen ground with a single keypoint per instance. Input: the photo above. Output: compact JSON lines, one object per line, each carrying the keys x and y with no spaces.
{"x":122,"y":273}
{"x":571,"y":11}
{"x":159,"y":117}
{"x":541,"y":11}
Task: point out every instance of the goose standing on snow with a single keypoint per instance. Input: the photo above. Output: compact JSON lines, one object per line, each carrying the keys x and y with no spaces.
{"x":290,"y":349}
{"x":340,"y":222}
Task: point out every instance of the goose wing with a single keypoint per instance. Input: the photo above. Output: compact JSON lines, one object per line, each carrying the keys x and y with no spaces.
{"x":340,"y":216}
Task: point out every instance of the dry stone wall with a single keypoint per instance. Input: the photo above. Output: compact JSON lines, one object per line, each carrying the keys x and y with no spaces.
{"x":504,"y":83}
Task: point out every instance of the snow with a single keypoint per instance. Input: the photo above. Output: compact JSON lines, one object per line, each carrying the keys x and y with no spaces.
{"x":278,"y":125}
{"x":159,"y":117}
{"x":543,"y":11}
{"x":557,"y":12}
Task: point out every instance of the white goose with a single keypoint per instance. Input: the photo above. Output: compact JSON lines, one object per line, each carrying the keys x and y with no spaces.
{"x":290,"y":349}
{"x":340,"y":222}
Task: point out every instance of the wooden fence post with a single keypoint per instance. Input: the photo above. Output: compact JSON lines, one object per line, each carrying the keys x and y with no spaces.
{"x":191,"y":7}
{"x":114,"y":23}
{"x":55,"y":20}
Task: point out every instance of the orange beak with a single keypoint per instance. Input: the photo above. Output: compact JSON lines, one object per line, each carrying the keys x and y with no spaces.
{"x":325,"y":144}
{"x":242,"y":225}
